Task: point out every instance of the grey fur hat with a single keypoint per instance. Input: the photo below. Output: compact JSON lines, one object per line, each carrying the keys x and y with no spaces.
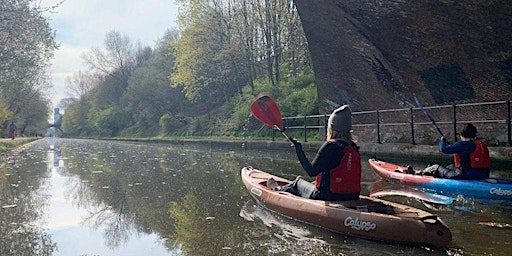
{"x":341,"y":119}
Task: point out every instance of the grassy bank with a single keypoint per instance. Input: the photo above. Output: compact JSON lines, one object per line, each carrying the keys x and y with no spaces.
{"x":7,"y":144}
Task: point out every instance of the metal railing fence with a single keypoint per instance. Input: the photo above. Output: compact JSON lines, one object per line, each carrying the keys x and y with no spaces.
{"x":410,"y":125}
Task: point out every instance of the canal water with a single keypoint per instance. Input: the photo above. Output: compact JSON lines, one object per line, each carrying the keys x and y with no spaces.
{"x":86,"y":197}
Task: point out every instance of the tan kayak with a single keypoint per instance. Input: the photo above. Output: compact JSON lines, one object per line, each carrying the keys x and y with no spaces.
{"x":368,"y":218}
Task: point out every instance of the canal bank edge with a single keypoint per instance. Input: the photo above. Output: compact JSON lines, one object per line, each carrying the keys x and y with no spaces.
{"x":7,"y":144}
{"x":500,"y":155}
{"x":372,"y":149}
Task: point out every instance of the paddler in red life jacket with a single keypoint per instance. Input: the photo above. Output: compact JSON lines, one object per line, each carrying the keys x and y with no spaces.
{"x":471,"y":157}
{"x":336,"y":167}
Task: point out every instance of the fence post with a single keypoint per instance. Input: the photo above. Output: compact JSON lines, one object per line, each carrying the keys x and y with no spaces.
{"x":412,"y":126}
{"x":454,"y":122}
{"x":305,"y":129}
{"x":326,"y":120}
{"x":508,"y":124}
{"x":378,"y":127}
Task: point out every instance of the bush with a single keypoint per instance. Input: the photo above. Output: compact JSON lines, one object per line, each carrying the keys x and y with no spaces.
{"x":296,"y":96}
{"x":170,"y":124}
{"x":109,"y":121}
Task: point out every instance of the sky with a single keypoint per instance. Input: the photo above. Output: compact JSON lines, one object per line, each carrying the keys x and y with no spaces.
{"x":81,"y":25}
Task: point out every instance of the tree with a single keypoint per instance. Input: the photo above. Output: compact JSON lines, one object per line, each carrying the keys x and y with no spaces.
{"x":208,"y":66}
{"x":26,"y":47}
{"x":27,"y":42}
{"x":230,"y":43}
{"x":281,"y":36}
{"x":149,"y":96}
{"x":33,"y":116}
{"x":116,"y":63}
{"x":107,"y":122}
{"x":64,"y":103}
{"x":75,"y":120}
{"x":113,"y":67}
{"x":5,"y":115}
{"x":222,"y":47}
{"x":81,"y":83}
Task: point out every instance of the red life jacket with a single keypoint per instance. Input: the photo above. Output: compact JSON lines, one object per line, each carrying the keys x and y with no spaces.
{"x":479,"y":159}
{"x":346,"y":177}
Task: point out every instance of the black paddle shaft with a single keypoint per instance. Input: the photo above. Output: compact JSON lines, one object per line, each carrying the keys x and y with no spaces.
{"x":428,"y":116}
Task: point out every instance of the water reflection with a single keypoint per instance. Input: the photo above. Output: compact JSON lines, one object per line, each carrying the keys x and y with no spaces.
{"x":287,"y":235}
{"x":21,"y":206}
{"x":88,"y":212}
{"x":118,"y":198}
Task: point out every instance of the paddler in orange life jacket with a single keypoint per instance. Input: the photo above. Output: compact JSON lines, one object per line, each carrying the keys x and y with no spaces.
{"x":336,"y":167}
{"x":471,"y":157}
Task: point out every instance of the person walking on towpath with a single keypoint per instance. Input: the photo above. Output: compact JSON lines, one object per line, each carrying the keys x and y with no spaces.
{"x":12,"y":130}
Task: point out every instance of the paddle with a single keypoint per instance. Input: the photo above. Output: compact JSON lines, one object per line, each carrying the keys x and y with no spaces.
{"x":428,"y":115}
{"x":421,"y":195}
{"x":267,"y":111}
{"x":382,"y":188}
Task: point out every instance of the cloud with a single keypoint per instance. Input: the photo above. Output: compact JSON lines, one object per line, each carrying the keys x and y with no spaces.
{"x":69,"y":59}
{"x":85,"y":22}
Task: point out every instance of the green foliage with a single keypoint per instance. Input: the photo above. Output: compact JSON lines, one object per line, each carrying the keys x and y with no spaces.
{"x":109,"y":121}
{"x":190,"y":65}
{"x":207,"y":66}
{"x":239,"y":107}
{"x":190,"y":222}
{"x":302,"y":101}
{"x":34,"y":115}
{"x":196,"y":126}
{"x":5,"y":114}
{"x":170,"y":124}
{"x":149,"y":97}
{"x":3,"y":147}
{"x":297,"y":96}
{"x":75,"y":122}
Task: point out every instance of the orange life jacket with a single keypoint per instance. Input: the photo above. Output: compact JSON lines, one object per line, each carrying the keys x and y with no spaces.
{"x":478,"y":159}
{"x":346,"y":177}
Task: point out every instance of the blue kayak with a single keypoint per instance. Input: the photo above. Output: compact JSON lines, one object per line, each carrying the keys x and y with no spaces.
{"x":494,"y":189}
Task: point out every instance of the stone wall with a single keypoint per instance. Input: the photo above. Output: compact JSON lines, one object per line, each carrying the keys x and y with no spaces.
{"x":376,"y":54}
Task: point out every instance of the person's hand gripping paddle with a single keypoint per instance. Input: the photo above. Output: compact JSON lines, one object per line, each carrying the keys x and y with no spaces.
{"x":267,"y":111}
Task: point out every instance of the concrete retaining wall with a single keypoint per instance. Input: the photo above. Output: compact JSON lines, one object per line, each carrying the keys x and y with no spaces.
{"x":501,"y":153}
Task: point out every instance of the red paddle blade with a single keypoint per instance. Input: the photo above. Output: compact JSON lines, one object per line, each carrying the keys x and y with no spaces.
{"x":266,"y":110}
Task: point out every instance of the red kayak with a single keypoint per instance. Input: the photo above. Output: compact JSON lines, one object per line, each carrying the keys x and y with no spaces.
{"x":368,"y":218}
{"x":495,"y":189}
